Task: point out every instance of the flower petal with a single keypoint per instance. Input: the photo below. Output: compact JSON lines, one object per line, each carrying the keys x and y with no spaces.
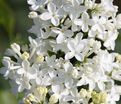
{"x":60,"y":38}
{"x":85,"y":16}
{"x":91,"y":34}
{"x":60,"y":12}
{"x":85,"y":28}
{"x":78,"y":37}
{"x":81,"y":82}
{"x":56,"y":88}
{"x":69,"y":55}
{"x":79,"y":57}
{"x":91,"y":85}
{"x":55,"y":21}
{"x":101,"y":85}
{"x":20,"y":71}
{"x":78,"y":22}
{"x":46,"y":16}
{"x":80,"y":47}
{"x":71,"y":45}
{"x":20,"y":88}
{"x":68,"y":33}
{"x":69,"y":83}
{"x":51,"y":8}
{"x":27,"y":86}
{"x":75,"y":3}
{"x":25,"y":64}
{"x":38,"y":81}
{"x":74,"y":27}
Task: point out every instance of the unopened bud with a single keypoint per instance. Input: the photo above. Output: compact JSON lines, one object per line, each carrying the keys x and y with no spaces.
{"x":53,"y":99}
{"x":33,"y":15}
{"x":24,"y":56}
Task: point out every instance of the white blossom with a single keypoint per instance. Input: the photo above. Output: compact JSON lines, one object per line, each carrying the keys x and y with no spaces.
{"x":76,"y":47}
{"x":84,"y":22}
{"x":23,"y":83}
{"x":71,"y":59}
{"x":53,"y":14}
{"x":28,"y":71}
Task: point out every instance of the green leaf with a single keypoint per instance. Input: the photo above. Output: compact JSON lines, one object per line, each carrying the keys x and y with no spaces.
{"x":6,"y":18}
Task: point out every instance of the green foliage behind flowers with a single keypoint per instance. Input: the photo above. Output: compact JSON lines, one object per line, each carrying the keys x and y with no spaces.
{"x":7,"y":98}
{"x":6,"y":18}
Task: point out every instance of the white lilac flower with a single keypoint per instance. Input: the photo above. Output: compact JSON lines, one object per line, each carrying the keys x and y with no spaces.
{"x":74,"y":97}
{"x":62,"y":34}
{"x":59,"y":91}
{"x":76,"y":46}
{"x":54,"y":79}
{"x":116,"y":74}
{"x":110,"y":38}
{"x":48,"y":33}
{"x":75,"y":9}
{"x":26,"y":70}
{"x":36,"y":4}
{"x":23,"y":83}
{"x":108,"y":8}
{"x":53,"y":14}
{"x":37,"y":27}
{"x":113,"y":96}
{"x":43,"y":47}
{"x":57,"y":47}
{"x":105,"y":61}
{"x":38,"y":76}
{"x":97,"y":31}
{"x":33,"y":46}
{"x":8,"y":67}
{"x":51,"y":61}
{"x":90,"y":4}
{"x":84,"y":22}
{"x":94,"y":82}
{"x":68,"y":67}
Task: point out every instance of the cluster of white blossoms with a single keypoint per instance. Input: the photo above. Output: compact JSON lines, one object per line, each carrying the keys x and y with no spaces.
{"x":71,"y":60}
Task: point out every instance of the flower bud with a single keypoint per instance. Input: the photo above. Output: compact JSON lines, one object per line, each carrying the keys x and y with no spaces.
{"x":83,"y":93}
{"x":42,"y":91}
{"x":26,"y":101}
{"x":24,"y":56}
{"x":75,"y":73}
{"x":118,"y":58}
{"x":33,"y":15}
{"x":88,"y":70}
{"x":53,"y":99}
{"x":16,"y":48}
{"x":103,"y":97}
{"x":40,"y":59}
{"x":32,"y":98}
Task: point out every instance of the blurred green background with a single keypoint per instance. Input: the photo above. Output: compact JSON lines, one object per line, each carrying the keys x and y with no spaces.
{"x":14,"y":23}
